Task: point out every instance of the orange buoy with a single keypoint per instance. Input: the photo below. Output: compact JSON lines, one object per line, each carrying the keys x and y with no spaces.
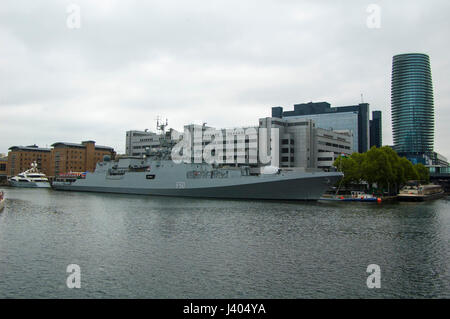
{"x":378,"y":200}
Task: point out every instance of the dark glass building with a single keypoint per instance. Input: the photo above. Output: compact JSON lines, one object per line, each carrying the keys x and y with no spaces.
{"x":376,"y":129}
{"x":412,"y":106}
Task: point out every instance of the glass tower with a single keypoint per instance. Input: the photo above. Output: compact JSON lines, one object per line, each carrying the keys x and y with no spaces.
{"x":412,"y":104}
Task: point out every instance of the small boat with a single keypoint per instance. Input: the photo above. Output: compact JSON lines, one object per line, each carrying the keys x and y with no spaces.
{"x":348,"y":196}
{"x":31,"y":178}
{"x":417,"y":192}
{"x":354,"y":196}
{"x":2,"y":200}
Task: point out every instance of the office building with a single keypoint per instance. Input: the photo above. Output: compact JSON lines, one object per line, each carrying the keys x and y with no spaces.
{"x":302,"y":144}
{"x":376,"y":129}
{"x":412,"y":107}
{"x":298,"y":144}
{"x":231,"y":144}
{"x":138,"y":141}
{"x":142,"y":143}
{"x":353,"y":118}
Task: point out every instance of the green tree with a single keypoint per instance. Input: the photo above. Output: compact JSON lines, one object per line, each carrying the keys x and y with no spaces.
{"x":377,"y":168}
{"x":410,"y":171}
{"x":398,"y":173}
{"x":358,"y":157}
{"x":382,"y":166}
{"x":350,"y":168}
{"x":423,"y":173}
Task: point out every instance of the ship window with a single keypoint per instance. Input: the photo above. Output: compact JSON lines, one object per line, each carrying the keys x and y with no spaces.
{"x":150,"y":177}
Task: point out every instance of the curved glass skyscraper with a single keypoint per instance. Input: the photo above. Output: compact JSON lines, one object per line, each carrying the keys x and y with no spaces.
{"x":412,"y":104}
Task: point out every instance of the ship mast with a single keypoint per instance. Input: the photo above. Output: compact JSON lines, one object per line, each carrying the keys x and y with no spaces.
{"x":160,"y":125}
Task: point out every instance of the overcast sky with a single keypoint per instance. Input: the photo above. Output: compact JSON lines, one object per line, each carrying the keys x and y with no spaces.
{"x":221,"y":62}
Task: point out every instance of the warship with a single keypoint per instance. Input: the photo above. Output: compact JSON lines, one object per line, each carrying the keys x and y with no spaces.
{"x":148,"y":175}
{"x":156,"y":173}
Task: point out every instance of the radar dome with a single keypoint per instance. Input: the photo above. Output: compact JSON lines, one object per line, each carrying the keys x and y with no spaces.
{"x":269,"y":170}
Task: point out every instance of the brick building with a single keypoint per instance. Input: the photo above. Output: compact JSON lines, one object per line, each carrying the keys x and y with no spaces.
{"x":71,"y":157}
{"x":21,"y":157}
{"x":61,"y":158}
{"x":3,"y":168}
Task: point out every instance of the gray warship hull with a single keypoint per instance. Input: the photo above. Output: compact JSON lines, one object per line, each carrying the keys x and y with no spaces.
{"x":202,"y":181}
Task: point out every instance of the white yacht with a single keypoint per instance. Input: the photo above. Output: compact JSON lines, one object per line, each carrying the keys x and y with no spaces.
{"x":31,"y":178}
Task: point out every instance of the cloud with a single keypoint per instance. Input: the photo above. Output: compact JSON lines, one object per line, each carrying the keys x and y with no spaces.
{"x":222,"y":62}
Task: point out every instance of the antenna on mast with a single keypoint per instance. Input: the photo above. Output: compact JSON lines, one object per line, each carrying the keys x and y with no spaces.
{"x":362,"y":98}
{"x":160,"y":125}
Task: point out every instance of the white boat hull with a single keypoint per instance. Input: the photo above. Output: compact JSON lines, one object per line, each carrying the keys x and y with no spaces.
{"x":29,"y":184}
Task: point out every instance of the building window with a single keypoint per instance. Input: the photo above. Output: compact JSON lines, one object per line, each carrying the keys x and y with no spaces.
{"x":298,"y":124}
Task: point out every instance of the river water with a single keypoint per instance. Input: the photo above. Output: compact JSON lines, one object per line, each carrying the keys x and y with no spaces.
{"x":160,"y":247}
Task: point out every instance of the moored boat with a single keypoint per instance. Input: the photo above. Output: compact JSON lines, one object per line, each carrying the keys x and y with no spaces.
{"x":31,"y":178}
{"x":418,"y":192}
{"x":354,"y":196}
